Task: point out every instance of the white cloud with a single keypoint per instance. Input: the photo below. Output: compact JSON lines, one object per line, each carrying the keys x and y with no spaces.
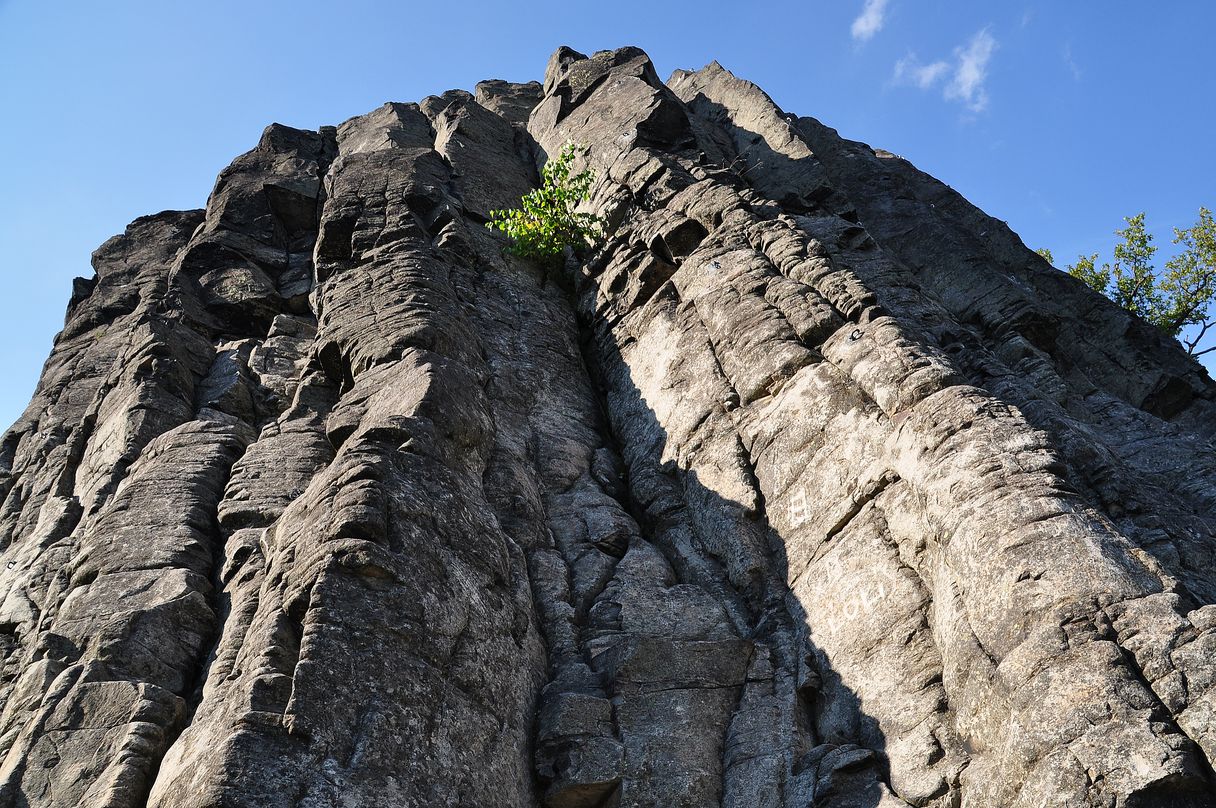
{"x":967,"y":84}
{"x":1071,"y":63}
{"x":966,"y":73}
{"x":909,"y":70}
{"x":869,"y":22}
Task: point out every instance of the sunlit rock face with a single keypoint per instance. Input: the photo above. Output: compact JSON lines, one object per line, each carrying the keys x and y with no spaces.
{"x":810,"y":486}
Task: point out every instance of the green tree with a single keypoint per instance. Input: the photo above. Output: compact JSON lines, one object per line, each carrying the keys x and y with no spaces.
{"x":1189,"y":283}
{"x":547,"y":220}
{"x":1087,"y":270}
{"x":1172,"y":300}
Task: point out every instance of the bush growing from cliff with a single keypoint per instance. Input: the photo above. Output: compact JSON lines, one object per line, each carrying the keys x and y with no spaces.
{"x":1171,"y":300}
{"x":547,"y":220}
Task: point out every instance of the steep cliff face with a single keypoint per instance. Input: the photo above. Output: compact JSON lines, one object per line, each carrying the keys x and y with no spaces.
{"x":812,"y":486}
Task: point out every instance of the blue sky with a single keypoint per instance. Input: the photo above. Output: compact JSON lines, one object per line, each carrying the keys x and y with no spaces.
{"x":1059,"y":117}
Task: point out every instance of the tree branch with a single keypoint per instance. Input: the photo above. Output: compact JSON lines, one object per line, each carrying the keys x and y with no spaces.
{"x":1193,"y":344}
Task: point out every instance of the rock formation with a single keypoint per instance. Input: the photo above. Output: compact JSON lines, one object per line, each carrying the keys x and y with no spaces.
{"x":813,"y":486}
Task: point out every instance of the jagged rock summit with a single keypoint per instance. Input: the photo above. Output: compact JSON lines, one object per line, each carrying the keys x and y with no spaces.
{"x":811,"y":487}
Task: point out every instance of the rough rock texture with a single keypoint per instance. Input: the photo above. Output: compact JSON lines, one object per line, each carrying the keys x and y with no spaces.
{"x":812,"y":486}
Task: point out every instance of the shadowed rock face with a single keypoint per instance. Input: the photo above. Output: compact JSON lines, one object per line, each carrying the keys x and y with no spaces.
{"x":813,"y":486}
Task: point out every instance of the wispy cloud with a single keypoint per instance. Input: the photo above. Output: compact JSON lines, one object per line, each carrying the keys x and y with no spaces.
{"x":967,"y":84}
{"x":1071,"y":63}
{"x":910,"y":70}
{"x":869,"y":22}
{"x":962,"y":79}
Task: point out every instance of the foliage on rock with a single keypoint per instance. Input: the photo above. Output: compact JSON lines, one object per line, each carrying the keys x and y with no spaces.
{"x":1173,"y":299}
{"x":547,"y":220}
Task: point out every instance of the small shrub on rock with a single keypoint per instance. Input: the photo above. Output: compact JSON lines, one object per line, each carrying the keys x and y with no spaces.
{"x":546,"y":221}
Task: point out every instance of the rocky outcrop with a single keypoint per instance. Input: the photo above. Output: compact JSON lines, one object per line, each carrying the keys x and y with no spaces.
{"x":810,"y":486}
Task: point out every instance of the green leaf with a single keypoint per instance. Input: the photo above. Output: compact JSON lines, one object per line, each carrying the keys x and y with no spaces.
{"x":546,"y":221}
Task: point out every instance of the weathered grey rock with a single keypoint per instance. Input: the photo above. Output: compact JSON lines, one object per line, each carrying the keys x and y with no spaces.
{"x":811,"y":486}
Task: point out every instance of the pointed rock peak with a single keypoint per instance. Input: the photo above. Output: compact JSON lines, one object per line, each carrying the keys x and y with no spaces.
{"x":393,"y":125}
{"x":281,"y":138}
{"x":558,"y":65}
{"x":624,"y":98}
{"x":635,"y":60}
{"x":173,"y":225}
{"x":620,"y":56}
{"x":401,"y":109}
{"x":510,"y":100}
{"x":714,"y":79}
{"x":574,"y":75}
{"x":712,"y":69}
{"x":433,"y":105}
